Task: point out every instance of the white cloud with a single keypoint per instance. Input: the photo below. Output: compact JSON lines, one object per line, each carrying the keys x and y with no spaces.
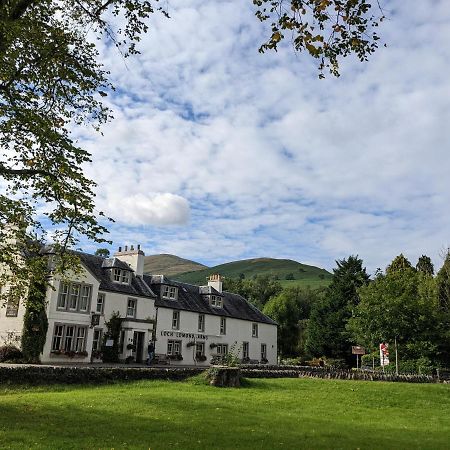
{"x":156,"y":209}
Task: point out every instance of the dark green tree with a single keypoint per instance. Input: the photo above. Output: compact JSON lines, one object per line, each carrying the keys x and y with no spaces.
{"x":398,"y":264}
{"x":291,"y":310}
{"x":102,"y":252}
{"x":35,"y":322}
{"x":425,"y":265}
{"x":113,"y":328}
{"x":327,"y":334}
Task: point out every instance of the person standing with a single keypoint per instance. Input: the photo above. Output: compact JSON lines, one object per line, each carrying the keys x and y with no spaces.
{"x":150,"y":350}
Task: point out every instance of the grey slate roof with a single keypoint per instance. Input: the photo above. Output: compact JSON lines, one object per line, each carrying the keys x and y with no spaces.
{"x":190,"y":299}
{"x":95,"y":265}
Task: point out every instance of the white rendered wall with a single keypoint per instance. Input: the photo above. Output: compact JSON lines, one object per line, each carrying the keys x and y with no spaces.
{"x":237,"y":331}
{"x":11,"y":326}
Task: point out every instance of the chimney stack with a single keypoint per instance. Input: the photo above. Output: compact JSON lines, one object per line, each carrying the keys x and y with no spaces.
{"x":215,"y":281}
{"x":134,"y":258}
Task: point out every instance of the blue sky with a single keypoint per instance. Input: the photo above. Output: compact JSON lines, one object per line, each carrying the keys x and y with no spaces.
{"x":219,"y":153}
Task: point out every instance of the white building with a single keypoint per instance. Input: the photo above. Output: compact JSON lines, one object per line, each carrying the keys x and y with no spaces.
{"x":190,"y":325}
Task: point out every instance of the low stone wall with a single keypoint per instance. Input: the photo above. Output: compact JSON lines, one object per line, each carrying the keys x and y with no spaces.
{"x":36,"y":375}
{"x":335,"y":374}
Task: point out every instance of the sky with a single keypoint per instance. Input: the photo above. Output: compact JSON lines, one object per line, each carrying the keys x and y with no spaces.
{"x":218,"y":153}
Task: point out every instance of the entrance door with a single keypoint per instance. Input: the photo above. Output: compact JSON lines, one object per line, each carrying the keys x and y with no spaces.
{"x":138,"y":339}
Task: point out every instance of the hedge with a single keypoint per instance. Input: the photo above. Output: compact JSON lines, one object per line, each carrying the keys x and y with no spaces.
{"x":38,"y":375}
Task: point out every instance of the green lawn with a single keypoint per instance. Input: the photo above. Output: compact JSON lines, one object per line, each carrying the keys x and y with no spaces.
{"x":266,"y":414}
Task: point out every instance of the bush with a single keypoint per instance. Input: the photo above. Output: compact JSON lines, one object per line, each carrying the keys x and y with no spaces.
{"x":10,"y":353}
{"x":289,"y":276}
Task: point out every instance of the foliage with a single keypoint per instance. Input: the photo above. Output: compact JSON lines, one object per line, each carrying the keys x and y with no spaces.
{"x":425,"y":265}
{"x":291,"y":310}
{"x":51,"y":82}
{"x":35,"y":322}
{"x":289,"y":276}
{"x":326,"y":29}
{"x":443,"y":281}
{"x":113,"y":328}
{"x":257,"y":291}
{"x":401,"y":305}
{"x":102,"y":252}
{"x":10,"y":353}
{"x":327,"y":335}
{"x":398,"y":264}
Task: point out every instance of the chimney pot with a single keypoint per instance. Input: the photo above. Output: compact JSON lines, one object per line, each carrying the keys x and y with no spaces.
{"x":126,"y":248}
{"x":131,"y":247}
{"x":120,"y":249}
{"x":139,"y":246}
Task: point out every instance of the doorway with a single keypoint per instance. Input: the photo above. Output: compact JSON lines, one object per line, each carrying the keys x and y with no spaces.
{"x":138,"y":339}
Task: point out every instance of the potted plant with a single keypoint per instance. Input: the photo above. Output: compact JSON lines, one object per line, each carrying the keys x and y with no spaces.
{"x":190,"y":344}
{"x":212,"y":345}
{"x":131,"y":347}
{"x":199,"y":357}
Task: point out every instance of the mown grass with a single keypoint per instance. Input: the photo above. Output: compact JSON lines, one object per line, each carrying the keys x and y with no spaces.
{"x":266,"y":414}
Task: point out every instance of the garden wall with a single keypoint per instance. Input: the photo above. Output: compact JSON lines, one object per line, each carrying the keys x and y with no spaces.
{"x":34,"y":375}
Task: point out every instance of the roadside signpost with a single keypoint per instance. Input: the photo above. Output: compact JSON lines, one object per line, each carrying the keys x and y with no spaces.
{"x":358,"y":350}
{"x":384,"y":354}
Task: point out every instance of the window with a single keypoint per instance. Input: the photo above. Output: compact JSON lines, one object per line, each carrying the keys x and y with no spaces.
{"x":201,"y":323}
{"x":176,"y":320}
{"x":58,"y":337}
{"x":74,"y":297}
{"x":216,"y":301}
{"x":131,"y":307}
{"x":263,"y":352}
{"x":199,"y":349}
{"x":223,"y":325}
{"x":222,"y":349}
{"x":74,"y":294}
{"x":97,"y":341}
{"x":12,"y":308}
{"x":254,"y":330}
{"x":169,"y":292}
{"x":121,"y":276}
{"x":63,"y":295}
{"x":245,"y":351}
{"x":174,"y":347}
{"x":85,"y":296}
{"x":69,"y":338}
{"x":100,"y":303}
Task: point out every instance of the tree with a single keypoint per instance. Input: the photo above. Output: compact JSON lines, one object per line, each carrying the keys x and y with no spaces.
{"x":398,"y":264}
{"x":291,"y":309}
{"x":102,"y":252}
{"x":400,"y":305}
{"x":50,"y":81}
{"x":425,"y":265}
{"x":257,"y":291}
{"x":326,"y":29}
{"x":327,"y":334}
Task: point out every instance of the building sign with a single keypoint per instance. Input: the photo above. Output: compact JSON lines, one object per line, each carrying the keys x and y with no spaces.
{"x":181,"y":334}
{"x":358,"y":350}
{"x":384,"y":354}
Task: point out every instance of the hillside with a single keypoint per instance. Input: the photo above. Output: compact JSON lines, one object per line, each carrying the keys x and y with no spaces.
{"x":303,"y":274}
{"x":169,"y":264}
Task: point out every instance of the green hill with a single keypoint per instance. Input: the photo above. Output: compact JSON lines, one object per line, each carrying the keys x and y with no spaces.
{"x":302,"y":274}
{"x":165,"y":264}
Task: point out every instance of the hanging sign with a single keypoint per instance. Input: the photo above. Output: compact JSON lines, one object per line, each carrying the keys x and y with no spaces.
{"x":358,"y":350}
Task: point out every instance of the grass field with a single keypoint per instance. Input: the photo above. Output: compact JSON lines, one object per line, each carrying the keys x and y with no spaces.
{"x":266,"y":414}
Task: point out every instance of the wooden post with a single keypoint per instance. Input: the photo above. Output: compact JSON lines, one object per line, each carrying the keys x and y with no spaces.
{"x":396,"y":356}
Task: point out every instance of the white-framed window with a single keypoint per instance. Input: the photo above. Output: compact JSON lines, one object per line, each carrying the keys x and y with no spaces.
{"x":63,"y":295}
{"x":58,"y":337}
{"x":222,"y":349}
{"x":254,"y":330}
{"x":201,"y":323}
{"x":223,"y":325}
{"x":216,"y":301}
{"x":131,"y":307}
{"x":174,"y":347}
{"x":86,"y":292}
{"x":263,"y":352}
{"x":69,"y":338}
{"x":100,"y":308}
{"x":169,"y":292}
{"x":176,"y":320}
{"x":200,"y":348}
{"x":245,"y":350}
{"x":97,"y":341}
{"x":74,"y":297}
{"x":12,"y":308}
{"x":121,"y":276}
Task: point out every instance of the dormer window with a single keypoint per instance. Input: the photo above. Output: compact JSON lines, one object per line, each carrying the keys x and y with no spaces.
{"x":169,"y":292}
{"x":121,"y":276}
{"x":215,"y":300}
